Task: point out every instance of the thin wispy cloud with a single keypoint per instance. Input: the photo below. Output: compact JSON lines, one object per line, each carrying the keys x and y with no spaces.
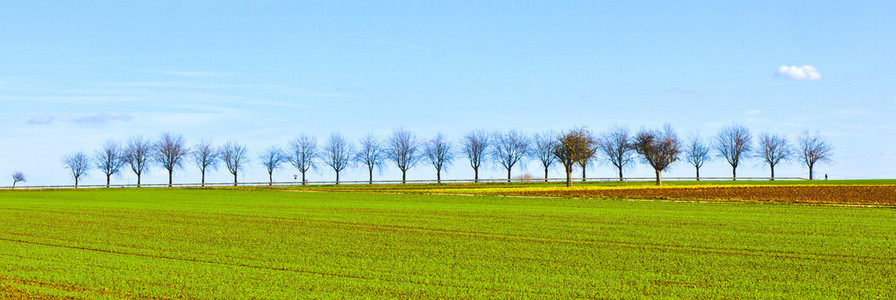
{"x":186,"y":85}
{"x":806,"y":72}
{"x":194,"y":74}
{"x":681,"y":90}
{"x":80,"y":119}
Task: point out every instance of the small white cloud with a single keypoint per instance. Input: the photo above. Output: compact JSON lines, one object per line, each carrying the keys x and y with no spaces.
{"x":97,"y":118}
{"x":806,"y":72}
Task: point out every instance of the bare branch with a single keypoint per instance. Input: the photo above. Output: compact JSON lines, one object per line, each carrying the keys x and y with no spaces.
{"x":616,"y":145}
{"x":272,"y":158}
{"x":543,"y":150}
{"x":110,"y":159}
{"x":403,"y":150}
{"x":205,"y":157}
{"x":338,"y":154}
{"x":169,"y":152}
{"x":773,"y":149}
{"x":572,"y":147}
{"x":438,"y":150}
{"x":78,"y":164}
{"x":509,"y":149}
{"x":371,"y":154}
{"x":475,"y":147}
{"x":303,"y":154}
{"x":659,"y":149}
{"x":17,"y":177}
{"x":137,"y":154}
{"x":734,"y":143}
{"x":233,"y":155}
{"x":697,"y":153}
{"x":814,"y":149}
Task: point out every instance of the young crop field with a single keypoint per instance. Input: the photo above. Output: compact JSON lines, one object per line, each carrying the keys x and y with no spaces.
{"x":424,"y":241}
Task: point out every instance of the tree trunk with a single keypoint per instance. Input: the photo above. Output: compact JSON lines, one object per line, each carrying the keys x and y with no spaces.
{"x":438,"y":176}
{"x":476,"y":175}
{"x":303,"y":177}
{"x":76,"y":182}
{"x":270,"y":179}
{"x":659,"y":177}
{"x":545,"y":174}
{"x":568,"y":177}
{"x":583,"y":173}
{"x":810,"y":172}
{"x":337,"y":177}
{"x":108,"y":176}
{"x":403,"y":173}
{"x":773,"y":172}
{"x":234,"y":178}
{"x":508,"y":174}
{"x":698,"y":173}
{"x":370,"y":171}
{"x":170,"y":175}
{"x":733,"y":173}
{"x":203,"y":179}
{"x":620,"y":175}
{"x":138,"y":179}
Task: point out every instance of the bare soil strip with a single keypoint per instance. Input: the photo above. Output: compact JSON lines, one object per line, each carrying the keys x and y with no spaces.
{"x":852,"y":194}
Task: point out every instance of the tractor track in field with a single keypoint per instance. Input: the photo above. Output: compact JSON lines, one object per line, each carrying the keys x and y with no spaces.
{"x":274,"y":268}
{"x":599,"y":242}
{"x":652,"y":246}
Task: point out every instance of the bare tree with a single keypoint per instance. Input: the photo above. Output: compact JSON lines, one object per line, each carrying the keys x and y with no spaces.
{"x":338,"y":154}
{"x":814,"y":149}
{"x":697,"y":153}
{"x":137,"y":154}
{"x":438,"y":150}
{"x":773,"y":149}
{"x":616,"y":145}
{"x":17,"y":177}
{"x":403,"y":151}
{"x":169,"y":152}
{"x":234,"y":157}
{"x":509,"y":149}
{"x":110,"y":159}
{"x":78,"y":164}
{"x":734,"y":143}
{"x":303,"y":153}
{"x":571,"y":147}
{"x":371,"y":154}
{"x":659,"y":149}
{"x":475,"y":147}
{"x":543,"y":150}
{"x":585,"y":162}
{"x":272,"y":159}
{"x":205,"y":156}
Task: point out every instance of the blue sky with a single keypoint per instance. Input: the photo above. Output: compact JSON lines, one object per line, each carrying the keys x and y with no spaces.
{"x":76,"y":73}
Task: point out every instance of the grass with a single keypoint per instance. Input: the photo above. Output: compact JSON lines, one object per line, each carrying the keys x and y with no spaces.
{"x":328,"y":243}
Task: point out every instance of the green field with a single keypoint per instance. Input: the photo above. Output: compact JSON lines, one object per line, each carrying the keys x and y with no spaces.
{"x":322,"y":242}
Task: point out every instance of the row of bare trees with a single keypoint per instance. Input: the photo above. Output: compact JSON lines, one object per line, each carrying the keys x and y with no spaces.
{"x":735,"y":144}
{"x":169,"y":152}
{"x":576,"y":148}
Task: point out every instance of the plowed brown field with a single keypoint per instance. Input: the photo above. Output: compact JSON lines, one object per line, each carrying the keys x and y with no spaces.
{"x":879,"y":194}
